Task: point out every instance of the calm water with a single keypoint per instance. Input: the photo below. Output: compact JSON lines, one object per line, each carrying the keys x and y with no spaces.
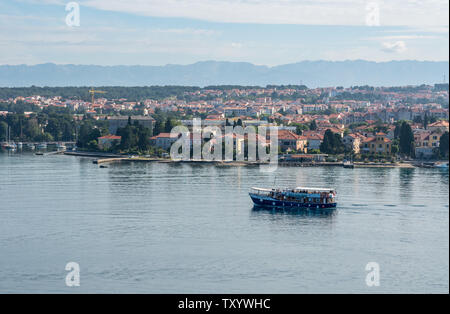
{"x":163,"y":228}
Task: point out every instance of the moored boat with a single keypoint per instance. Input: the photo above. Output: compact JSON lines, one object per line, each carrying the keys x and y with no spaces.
{"x":42,"y":146}
{"x":441,"y":165}
{"x":348,"y":164}
{"x":299,"y":197}
{"x":11,"y":146}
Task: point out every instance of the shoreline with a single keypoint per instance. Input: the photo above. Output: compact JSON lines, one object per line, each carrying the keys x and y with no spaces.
{"x":103,"y":158}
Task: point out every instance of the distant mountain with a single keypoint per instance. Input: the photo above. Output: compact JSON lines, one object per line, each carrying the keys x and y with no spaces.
{"x":309,"y":73}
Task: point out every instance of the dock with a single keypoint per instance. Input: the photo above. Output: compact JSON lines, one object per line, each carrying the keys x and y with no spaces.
{"x":108,"y":160}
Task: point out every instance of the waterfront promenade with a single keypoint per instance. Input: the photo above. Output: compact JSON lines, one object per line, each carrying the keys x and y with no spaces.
{"x":103,"y":158}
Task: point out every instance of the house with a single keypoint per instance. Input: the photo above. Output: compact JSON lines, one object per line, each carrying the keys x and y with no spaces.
{"x":235,"y":111}
{"x":441,"y":125}
{"x":426,"y":142}
{"x":314,"y":140}
{"x":377,"y":144}
{"x":163,"y":140}
{"x":289,"y":141}
{"x":107,"y":141}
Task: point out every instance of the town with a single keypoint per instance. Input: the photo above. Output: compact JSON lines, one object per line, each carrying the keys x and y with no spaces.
{"x":314,"y":124}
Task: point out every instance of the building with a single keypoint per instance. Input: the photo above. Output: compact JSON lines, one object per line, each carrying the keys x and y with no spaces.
{"x":441,"y":126}
{"x":235,"y":111}
{"x":379,"y":144}
{"x":314,"y":140}
{"x":163,"y":140}
{"x":426,"y":143}
{"x":107,"y":141}
{"x":289,"y":141}
{"x":116,"y":122}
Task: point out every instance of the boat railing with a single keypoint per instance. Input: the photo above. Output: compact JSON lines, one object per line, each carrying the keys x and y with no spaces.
{"x":264,"y":192}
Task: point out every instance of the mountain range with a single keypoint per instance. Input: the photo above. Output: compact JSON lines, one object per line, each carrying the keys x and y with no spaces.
{"x":309,"y":73}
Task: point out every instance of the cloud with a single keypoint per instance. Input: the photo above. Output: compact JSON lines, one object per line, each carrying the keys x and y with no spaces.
{"x":185,"y":31}
{"x":394,"y":47}
{"x":318,"y":12}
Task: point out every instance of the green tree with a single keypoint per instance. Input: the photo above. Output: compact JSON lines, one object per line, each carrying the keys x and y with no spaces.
{"x":3,"y":130}
{"x":159,"y":126}
{"x":129,"y":139}
{"x":332,"y":143}
{"x":32,"y":130}
{"x":443,"y":144}
{"x":406,"y":140}
{"x":88,"y":133}
{"x":425,"y":121}
{"x":313,"y":125}
{"x":169,"y":125}
{"x":394,"y":149}
{"x":397,"y":130}
{"x":143,"y":138}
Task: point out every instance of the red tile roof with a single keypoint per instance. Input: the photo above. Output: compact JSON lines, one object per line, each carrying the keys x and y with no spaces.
{"x":288,"y":135}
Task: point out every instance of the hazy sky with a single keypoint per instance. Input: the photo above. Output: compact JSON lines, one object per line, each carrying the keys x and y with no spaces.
{"x":270,"y":32}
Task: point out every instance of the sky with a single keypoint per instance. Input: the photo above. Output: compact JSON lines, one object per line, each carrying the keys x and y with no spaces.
{"x":263,"y":32}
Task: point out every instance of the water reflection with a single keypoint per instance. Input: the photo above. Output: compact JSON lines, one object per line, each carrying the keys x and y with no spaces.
{"x":406,"y":178}
{"x":300,"y":212}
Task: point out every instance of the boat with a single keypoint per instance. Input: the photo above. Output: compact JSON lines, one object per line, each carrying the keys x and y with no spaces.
{"x":11,"y":146}
{"x":42,"y":146}
{"x":31,"y":146}
{"x":61,"y":147}
{"x":19,"y":145}
{"x":441,"y":165}
{"x":348,"y":164}
{"x":299,"y":197}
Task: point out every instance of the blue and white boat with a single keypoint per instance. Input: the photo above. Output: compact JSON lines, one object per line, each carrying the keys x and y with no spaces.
{"x":441,"y":165}
{"x":300,"y":197}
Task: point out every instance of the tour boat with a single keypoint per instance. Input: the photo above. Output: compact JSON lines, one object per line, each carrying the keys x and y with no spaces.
{"x":299,"y":197}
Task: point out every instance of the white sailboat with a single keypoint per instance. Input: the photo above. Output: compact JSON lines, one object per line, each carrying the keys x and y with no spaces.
{"x":10,"y":145}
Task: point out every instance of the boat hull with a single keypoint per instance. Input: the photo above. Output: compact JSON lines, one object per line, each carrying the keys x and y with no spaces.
{"x":265,"y":201}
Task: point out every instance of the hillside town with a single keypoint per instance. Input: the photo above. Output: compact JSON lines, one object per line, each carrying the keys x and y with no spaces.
{"x":364,"y":122}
